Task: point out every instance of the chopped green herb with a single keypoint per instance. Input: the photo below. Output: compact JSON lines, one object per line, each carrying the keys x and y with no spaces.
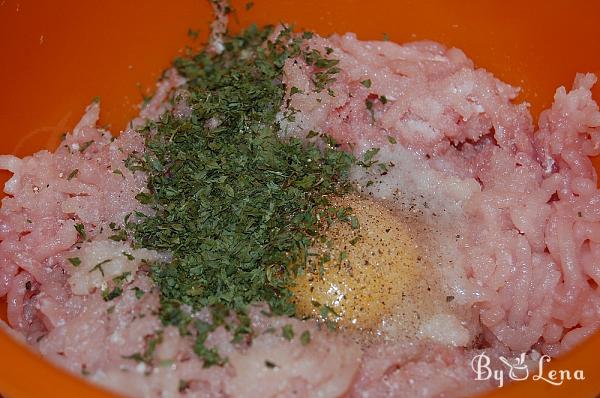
{"x":136,"y":357}
{"x":287,"y":332}
{"x":369,"y":105}
{"x":113,"y":294}
{"x":144,"y":198}
{"x":119,"y":172}
{"x":85,"y":146}
{"x":120,"y":278}
{"x":183,"y":385}
{"x":307,"y":35}
{"x":234,"y":204}
{"x":192,"y":33}
{"x":75,"y":261}
{"x":343,"y":256}
{"x":326,"y":69}
{"x":326,"y":310}
{"x":129,"y":256}
{"x":367,"y":159}
{"x":210,"y":356}
{"x":305,"y":338}
{"x":366,"y":83}
{"x":81,"y":231}
{"x":331,"y":325}
{"x":311,"y":134}
{"x":383,"y":167}
{"x":72,"y":174}
{"x":392,"y":140}
{"x":139,"y":293}
{"x":295,"y":90}
{"x":121,"y":235}
{"x":152,"y":342}
{"x":204,"y":214}
{"x":99,"y":266}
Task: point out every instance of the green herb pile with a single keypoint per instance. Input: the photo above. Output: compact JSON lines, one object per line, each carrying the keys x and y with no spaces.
{"x":236,"y":206}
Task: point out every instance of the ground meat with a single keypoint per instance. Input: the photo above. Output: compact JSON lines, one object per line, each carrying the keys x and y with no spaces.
{"x":523,"y":205}
{"x":58,"y":282}
{"x":514,"y":217}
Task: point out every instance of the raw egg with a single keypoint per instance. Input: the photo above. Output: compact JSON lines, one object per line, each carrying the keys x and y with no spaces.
{"x":363,"y":272}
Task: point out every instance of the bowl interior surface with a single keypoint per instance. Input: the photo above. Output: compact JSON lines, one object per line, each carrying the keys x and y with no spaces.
{"x":57,"y":56}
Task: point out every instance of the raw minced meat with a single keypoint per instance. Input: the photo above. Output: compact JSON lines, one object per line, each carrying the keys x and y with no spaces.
{"x":514,"y":217}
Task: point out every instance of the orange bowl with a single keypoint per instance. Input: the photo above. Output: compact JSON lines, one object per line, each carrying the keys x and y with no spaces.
{"x":57,"y":56}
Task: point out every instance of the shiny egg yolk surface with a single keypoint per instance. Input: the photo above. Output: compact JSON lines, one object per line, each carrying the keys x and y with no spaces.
{"x":362,"y":273}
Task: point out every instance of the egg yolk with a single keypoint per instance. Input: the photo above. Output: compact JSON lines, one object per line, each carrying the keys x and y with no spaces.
{"x":362,"y":273}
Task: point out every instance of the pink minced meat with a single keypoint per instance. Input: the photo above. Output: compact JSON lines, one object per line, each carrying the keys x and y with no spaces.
{"x":58,"y":308}
{"x":532,"y":243}
{"x":529,"y":254}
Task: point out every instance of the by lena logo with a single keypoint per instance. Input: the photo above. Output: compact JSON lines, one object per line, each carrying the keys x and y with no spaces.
{"x":518,"y":369}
